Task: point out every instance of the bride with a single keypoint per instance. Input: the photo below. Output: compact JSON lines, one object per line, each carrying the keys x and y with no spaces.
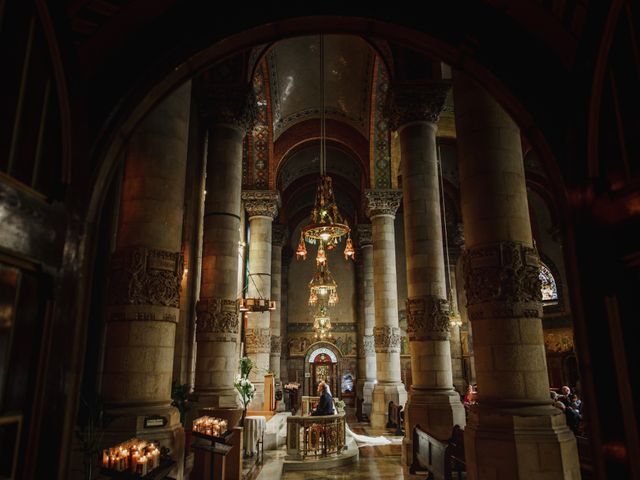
{"x":363,"y":440}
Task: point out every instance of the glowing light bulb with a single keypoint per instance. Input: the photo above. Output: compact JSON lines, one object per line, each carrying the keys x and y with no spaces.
{"x":325,"y":236}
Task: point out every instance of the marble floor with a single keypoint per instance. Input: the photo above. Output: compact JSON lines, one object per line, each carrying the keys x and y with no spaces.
{"x":375,"y":462}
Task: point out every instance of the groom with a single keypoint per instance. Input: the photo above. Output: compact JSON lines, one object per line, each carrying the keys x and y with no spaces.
{"x":325,"y":405}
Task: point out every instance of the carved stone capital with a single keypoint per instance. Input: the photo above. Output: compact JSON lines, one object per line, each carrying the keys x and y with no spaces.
{"x":279,"y":235}
{"x":217,"y":319}
{"x":366,"y":347}
{"x":276,"y":344}
{"x":262,"y":203}
{"x":145,"y":276}
{"x":387,"y":339}
{"x":382,"y":202}
{"x":502,"y":281}
{"x":428,"y":318}
{"x":415,"y":103}
{"x":258,"y":340}
{"x":364,"y":234}
{"x":231,"y":105}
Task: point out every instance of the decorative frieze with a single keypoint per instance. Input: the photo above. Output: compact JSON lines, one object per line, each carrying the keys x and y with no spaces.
{"x":308,"y":327}
{"x":231,"y":105}
{"x":217,"y":316}
{"x":261,"y":203}
{"x":382,"y":202}
{"x":258,"y":340}
{"x":145,"y":276}
{"x":365,"y":234}
{"x":276,"y":344}
{"x":502,"y":281}
{"x":428,"y":318}
{"x":416,"y":103}
{"x":387,"y":339}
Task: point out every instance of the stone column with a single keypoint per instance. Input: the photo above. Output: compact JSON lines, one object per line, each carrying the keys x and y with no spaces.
{"x":514,"y":432}
{"x":278,"y":237}
{"x":381,"y":209}
{"x":287,"y":255}
{"x":144,"y":281}
{"x":218,"y":320}
{"x":366,"y":321}
{"x":262,"y":209}
{"x":457,"y":367}
{"x":433,"y":402}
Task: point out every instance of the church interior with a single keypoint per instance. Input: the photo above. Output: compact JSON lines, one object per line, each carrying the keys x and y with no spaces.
{"x":215,"y":222}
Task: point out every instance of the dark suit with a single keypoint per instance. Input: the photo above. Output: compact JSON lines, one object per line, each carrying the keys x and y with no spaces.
{"x":325,"y":405}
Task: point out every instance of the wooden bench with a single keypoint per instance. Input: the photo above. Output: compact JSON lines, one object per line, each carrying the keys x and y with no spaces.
{"x":395,"y":418}
{"x":439,"y":459}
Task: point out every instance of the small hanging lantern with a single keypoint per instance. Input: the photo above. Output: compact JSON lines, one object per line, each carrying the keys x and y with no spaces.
{"x":321,"y":258}
{"x":301,"y":251}
{"x":349,"y":252}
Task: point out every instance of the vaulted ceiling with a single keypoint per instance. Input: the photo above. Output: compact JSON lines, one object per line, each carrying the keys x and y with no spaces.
{"x":296,"y":81}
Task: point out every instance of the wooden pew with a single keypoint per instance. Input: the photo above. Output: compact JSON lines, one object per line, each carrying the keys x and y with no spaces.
{"x":395,"y":418}
{"x":441,"y":460}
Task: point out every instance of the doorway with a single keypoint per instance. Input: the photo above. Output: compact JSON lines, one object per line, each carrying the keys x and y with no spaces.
{"x":322,"y":364}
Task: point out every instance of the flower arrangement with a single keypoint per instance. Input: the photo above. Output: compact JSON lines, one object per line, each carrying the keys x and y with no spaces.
{"x":340,"y":405}
{"x":243,"y":385}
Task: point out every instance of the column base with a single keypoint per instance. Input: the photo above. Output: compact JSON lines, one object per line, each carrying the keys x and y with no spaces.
{"x":521,"y":443}
{"x":223,"y":398}
{"x":367,"y":396}
{"x":129,"y":422}
{"x":383,"y":393}
{"x":436,"y":412}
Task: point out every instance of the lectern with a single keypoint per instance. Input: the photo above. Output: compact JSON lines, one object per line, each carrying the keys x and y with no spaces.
{"x":269,"y":393}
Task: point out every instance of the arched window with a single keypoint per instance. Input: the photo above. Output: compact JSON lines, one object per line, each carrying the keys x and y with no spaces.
{"x":548,"y":285}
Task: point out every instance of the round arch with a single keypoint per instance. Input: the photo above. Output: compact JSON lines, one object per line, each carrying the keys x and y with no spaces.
{"x":311,"y":357}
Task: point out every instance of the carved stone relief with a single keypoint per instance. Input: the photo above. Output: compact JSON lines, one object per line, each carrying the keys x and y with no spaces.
{"x":217,"y":316}
{"x":145,"y":276}
{"x":387,"y":339}
{"x":258,"y":340}
{"x":428,"y":318}
{"x":502,"y":280}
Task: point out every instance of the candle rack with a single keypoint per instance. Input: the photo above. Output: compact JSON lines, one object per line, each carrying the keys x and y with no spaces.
{"x":136,"y":459}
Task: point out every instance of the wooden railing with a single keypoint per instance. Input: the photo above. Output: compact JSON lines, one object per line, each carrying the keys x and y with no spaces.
{"x":314,"y":437}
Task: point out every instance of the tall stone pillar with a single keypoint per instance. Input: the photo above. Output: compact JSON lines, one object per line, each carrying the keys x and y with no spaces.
{"x":433,"y":402}
{"x":287,"y":255}
{"x":262,"y":209}
{"x":457,"y":364}
{"x":144,"y":281}
{"x":514,"y":432}
{"x":218,"y":320}
{"x":381,"y":209}
{"x":366,"y":321}
{"x":277,"y":240}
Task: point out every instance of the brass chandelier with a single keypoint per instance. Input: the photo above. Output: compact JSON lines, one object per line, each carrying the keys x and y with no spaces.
{"x":327,"y":226}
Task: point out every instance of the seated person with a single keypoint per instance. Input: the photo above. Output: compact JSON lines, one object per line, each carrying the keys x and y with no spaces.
{"x":469,"y":397}
{"x":325,"y":405}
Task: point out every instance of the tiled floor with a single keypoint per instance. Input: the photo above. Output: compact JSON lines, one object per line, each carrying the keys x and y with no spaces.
{"x":375,"y":462}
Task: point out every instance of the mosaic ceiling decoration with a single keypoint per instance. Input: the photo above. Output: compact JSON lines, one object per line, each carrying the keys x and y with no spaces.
{"x":380,"y":145}
{"x":294,"y":70}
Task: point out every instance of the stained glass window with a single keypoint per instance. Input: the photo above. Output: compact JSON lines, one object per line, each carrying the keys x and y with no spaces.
{"x":548,"y":285}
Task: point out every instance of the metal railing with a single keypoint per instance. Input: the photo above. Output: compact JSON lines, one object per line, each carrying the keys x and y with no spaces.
{"x":315,"y":437}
